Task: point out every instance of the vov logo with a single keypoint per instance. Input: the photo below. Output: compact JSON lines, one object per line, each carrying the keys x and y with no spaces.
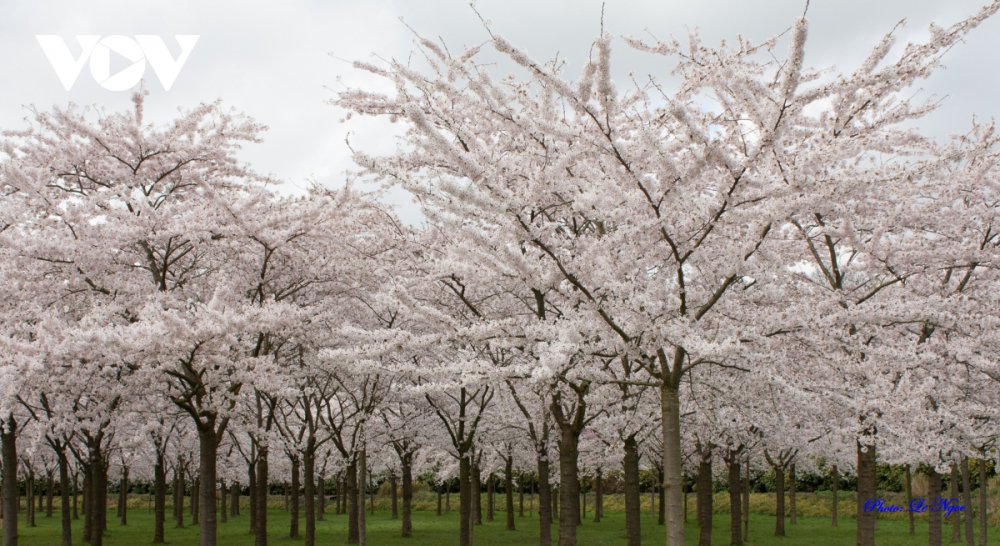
{"x":137,"y":51}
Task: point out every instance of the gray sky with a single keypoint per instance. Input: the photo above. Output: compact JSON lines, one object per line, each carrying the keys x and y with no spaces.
{"x":272,"y":59}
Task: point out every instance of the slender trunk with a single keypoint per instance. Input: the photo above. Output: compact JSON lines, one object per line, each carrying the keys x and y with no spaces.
{"x":933,"y":501}
{"x":11,"y":493}
{"x":661,"y":516}
{"x":123,"y":497}
{"x":908,"y":490}
{"x":29,"y":494}
{"x":179,"y":496}
{"x":508,"y":491}
{"x":779,"y":492}
{"x":260,"y":529}
{"x":967,"y":501}
{"x":76,"y":496}
{"x":490,"y":501}
{"x":866,"y":490}
{"x":195,"y":500}
{"x":984,"y":514}
{"x":252,"y":493}
{"x":956,"y":520}
{"x":447,"y":498}
{"x":520,"y":497}
{"x":223,"y":496}
{"x":99,"y":496}
{"x":208,"y":444}
{"x":320,"y":498}
{"x":792,"y":489}
{"x":746,"y":501}
{"x":50,"y":491}
{"x":293,"y":528}
{"x":476,"y":481}
{"x":362,"y":484}
{"x":351,"y":500}
{"x":393,"y":496}
{"x":406,"y":462}
{"x":835,"y":486}
{"x":733,"y":464}
{"x":632,"y":499}
{"x":440,"y":497}
{"x":234,"y":499}
{"x":464,"y":500}
{"x":309,"y":491}
{"x":598,"y":495}
{"x":159,"y":497}
{"x":705,"y":498}
{"x":545,"y":513}
{"x":569,"y":486}
{"x":64,"y":489}
{"x":670,"y":415}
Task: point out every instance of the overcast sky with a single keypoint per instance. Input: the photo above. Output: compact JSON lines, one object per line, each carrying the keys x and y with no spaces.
{"x":278,"y":61}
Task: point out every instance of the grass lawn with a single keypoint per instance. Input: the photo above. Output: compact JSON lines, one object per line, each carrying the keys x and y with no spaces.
{"x":432,"y":530}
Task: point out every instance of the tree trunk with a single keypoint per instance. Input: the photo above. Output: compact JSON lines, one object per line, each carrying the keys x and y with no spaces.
{"x":123,"y":497}
{"x":705,"y":498}
{"x":956,"y":520}
{"x":362,"y":485}
{"x":195,"y":500}
{"x":476,"y":481}
{"x":260,"y":528}
{"x":406,"y":462}
{"x":670,"y":421}
{"x":967,"y":501}
{"x":633,"y":510}
{"x":440,"y":498}
{"x":320,"y":498}
{"x":598,"y":495}
{"x":29,"y":494}
{"x":75,"y":495}
{"x":733,"y":464}
{"x":908,"y":491}
{"x":933,"y":502}
{"x":208,"y":445}
{"x":779,"y":501}
{"x":223,"y":496}
{"x":464,"y":500}
{"x":351,"y":500}
{"x":252,"y":491}
{"x":490,"y":501}
{"x":569,"y":486}
{"x":393,"y":496}
{"x":746,"y":501}
{"x":545,"y":513}
{"x":234,"y":499}
{"x":508,"y":491}
{"x":309,"y":491}
{"x":293,"y":528}
{"x":50,"y":491}
{"x":661,"y":516}
{"x":520,"y":497}
{"x":984,"y":513}
{"x":835,"y":487}
{"x":159,"y":497}
{"x":792,"y":489}
{"x":179,"y":496}
{"x":11,"y":492}
{"x":64,"y":489}
{"x":866,"y":490}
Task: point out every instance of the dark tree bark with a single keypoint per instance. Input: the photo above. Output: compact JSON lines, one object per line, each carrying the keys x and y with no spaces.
{"x":792,"y":490}
{"x":320,"y":499}
{"x":933,"y":501}
{"x":704,"y":496}
{"x":508,"y":490}
{"x":406,"y":462}
{"x":440,"y":497}
{"x":490,"y":501}
{"x":393,"y":496}
{"x":967,"y":501}
{"x":570,"y":428}
{"x":234,"y":499}
{"x":779,"y":502}
{"x":632,"y":499}
{"x":464,"y":500}
{"x":352,"y":502}
{"x":29,"y":498}
{"x":598,"y":495}
{"x":866,"y":490}
{"x":908,"y":490}
{"x":223,"y":496}
{"x":11,"y":492}
{"x":195,"y":500}
{"x":835,"y":487}
{"x":309,"y":491}
{"x":179,"y":495}
{"x":733,"y":464}
{"x":661,"y":516}
{"x":159,"y":497}
{"x":50,"y":491}
{"x":208,"y":445}
{"x":983,"y":505}
{"x":746,"y":501}
{"x":260,"y":529}
{"x":252,"y":491}
{"x":476,"y":483}
{"x":520,"y":497}
{"x":293,"y":528}
{"x":123,"y":497}
{"x":64,"y":492}
{"x":956,"y":520}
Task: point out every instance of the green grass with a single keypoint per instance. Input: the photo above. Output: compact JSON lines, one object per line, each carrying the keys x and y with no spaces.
{"x":432,"y":530}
